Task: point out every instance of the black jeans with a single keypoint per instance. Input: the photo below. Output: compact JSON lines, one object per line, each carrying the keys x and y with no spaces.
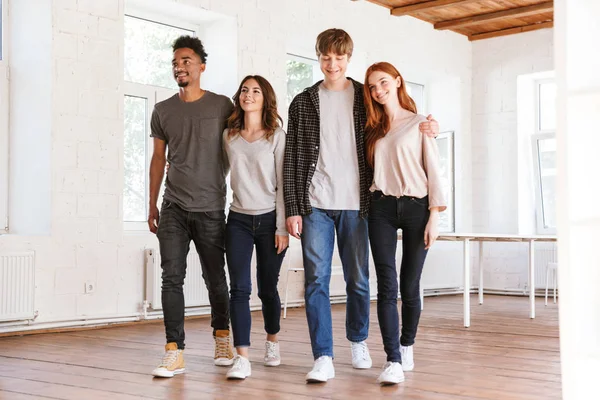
{"x":176,"y":229}
{"x":244,"y":232}
{"x":386,"y":216}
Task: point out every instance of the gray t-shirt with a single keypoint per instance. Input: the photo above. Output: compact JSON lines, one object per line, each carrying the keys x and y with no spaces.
{"x":336,"y":182}
{"x":193,"y":133}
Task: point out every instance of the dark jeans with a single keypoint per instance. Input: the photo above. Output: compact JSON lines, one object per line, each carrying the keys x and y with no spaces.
{"x":176,"y":229}
{"x":243,"y":233}
{"x":386,"y":216}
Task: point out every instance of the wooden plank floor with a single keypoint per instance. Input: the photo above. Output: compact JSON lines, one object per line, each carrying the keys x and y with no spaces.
{"x":504,"y":355}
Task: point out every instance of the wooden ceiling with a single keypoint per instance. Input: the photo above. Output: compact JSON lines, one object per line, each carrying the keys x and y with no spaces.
{"x":477,"y":19}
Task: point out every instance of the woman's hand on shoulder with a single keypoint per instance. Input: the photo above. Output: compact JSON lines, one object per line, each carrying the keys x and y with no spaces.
{"x":430,"y":127}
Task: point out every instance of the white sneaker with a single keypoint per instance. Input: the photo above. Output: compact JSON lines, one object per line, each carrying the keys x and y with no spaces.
{"x":391,"y":374}
{"x":322,"y":370}
{"x":408,"y":362}
{"x":272,"y":357}
{"x":241,"y":368}
{"x":360,"y":355}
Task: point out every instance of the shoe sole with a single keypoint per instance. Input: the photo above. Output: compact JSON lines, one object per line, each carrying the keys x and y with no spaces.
{"x":272,"y":363}
{"x":315,"y":380}
{"x":166,"y":374}
{"x":362,"y":367}
{"x":238,"y":377}
{"x":223,"y":362}
{"x":408,"y":368}
{"x":389,"y":382}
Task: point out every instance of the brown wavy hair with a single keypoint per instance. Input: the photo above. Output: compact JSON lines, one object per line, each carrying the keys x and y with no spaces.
{"x":378,"y":123}
{"x":271,"y":120}
{"x":334,"y":40}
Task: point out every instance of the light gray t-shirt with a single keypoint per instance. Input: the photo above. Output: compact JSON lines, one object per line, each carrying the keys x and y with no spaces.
{"x":193,"y":133}
{"x":336,"y":182}
{"x":257,"y":175}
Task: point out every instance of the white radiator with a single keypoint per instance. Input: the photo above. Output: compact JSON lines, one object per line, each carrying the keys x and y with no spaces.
{"x":194,"y":289}
{"x":17,"y":286}
{"x":545,"y":252}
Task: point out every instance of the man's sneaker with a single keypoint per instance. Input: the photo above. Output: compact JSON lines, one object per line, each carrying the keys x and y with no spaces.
{"x":391,"y":374}
{"x":408,"y":362}
{"x":172,"y":362}
{"x":360,"y":355}
{"x":223,"y":349}
{"x":272,"y":357}
{"x":241,"y":368}
{"x":322,"y":370}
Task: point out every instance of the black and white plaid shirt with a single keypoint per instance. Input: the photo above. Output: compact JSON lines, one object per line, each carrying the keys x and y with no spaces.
{"x":302,"y":150}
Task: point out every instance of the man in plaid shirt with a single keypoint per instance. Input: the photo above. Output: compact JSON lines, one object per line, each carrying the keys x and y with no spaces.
{"x":326,"y":191}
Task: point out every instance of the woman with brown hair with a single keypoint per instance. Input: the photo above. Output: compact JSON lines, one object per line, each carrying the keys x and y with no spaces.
{"x":254,"y":144}
{"x":406,"y":194}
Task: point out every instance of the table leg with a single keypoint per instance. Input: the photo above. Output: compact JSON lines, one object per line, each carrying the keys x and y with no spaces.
{"x":467,"y":283}
{"x":531,"y":279}
{"x":480,"y":272}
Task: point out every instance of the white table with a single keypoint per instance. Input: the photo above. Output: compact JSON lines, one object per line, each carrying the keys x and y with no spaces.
{"x":467,"y":238}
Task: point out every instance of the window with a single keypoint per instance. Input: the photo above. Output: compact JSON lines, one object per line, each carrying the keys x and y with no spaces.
{"x":445,"y":142}
{"x":544,"y":156}
{"x":148,"y":79}
{"x":301,"y":73}
{"x":4,"y":93}
{"x":148,"y":51}
{"x":417,"y":93}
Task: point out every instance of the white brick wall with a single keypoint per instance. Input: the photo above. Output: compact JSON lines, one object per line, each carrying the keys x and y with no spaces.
{"x":496,"y":65}
{"x":87,"y":241}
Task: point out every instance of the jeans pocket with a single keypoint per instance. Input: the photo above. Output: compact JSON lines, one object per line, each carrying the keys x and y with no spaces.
{"x":376,"y":196}
{"x":423,"y":202}
{"x":215,"y":215}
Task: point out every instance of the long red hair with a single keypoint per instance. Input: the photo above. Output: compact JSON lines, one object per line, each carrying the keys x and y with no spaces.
{"x":378,"y":122}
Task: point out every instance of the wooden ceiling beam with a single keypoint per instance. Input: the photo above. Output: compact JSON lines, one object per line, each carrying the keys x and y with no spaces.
{"x":511,"y":31}
{"x":495,"y":16}
{"x":427,"y":6}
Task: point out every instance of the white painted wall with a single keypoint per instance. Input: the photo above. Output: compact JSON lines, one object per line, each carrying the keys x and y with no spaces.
{"x":501,"y":158}
{"x":578,"y":227}
{"x":87,"y":241}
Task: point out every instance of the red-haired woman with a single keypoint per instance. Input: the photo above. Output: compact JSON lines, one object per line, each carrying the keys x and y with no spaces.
{"x":406,"y":194}
{"x":254,"y":144}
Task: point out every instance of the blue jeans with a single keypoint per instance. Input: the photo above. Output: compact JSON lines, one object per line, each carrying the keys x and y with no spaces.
{"x":243,"y":233}
{"x":176,"y":229}
{"x":386,"y":215}
{"x":318,"y":231}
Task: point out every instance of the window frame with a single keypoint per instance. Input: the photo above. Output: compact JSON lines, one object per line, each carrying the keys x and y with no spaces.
{"x":139,"y":90}
{"x":540,"y":134}
{"x":451,"y":200}
{"x":538,"y":113}
{"x":420,"y":110}
{"x":4,"y":117}
{"x":541,"y":227}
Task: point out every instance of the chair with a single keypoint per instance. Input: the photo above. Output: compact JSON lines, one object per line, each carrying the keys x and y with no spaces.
{"x":290,"y":268}
{"x":552,"y":267}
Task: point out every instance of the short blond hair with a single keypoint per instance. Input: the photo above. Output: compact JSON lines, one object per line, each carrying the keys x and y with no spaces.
{"x":334,"y":40}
